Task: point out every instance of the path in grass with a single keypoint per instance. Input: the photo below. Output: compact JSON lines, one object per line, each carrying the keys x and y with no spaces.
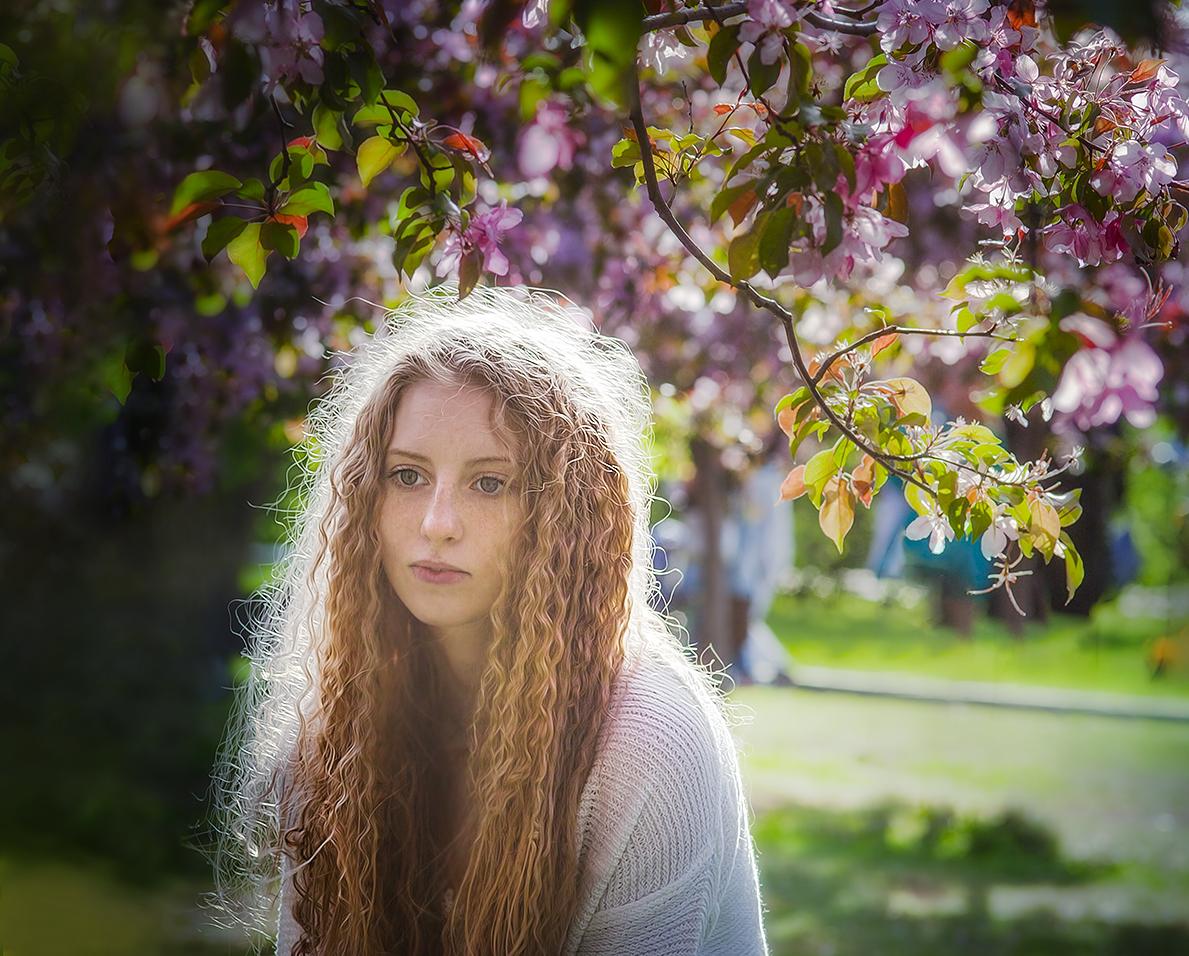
{"x":1110,"y":790}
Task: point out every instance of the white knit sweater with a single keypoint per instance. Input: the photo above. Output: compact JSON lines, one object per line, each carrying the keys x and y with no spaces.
{"x":667,"y":864}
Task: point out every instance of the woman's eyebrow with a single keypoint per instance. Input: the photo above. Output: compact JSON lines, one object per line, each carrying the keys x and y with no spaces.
{"x":486,"y":460}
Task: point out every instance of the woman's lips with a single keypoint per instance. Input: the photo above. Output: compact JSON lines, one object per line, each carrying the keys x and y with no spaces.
{"x":432,"y":572}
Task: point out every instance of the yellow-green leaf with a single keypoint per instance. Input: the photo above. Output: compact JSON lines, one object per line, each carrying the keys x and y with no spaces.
{"x":247,"y":252}
{"x":837,"y":512}
{"x":375,"y":155}
{"x":1045,"y":527}
{"x":910,"y":396}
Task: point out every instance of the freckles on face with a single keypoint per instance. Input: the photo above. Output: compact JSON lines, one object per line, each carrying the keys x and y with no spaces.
{"x":449,"y":510}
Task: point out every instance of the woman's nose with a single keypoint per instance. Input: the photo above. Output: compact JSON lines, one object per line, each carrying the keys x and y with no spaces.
{"x":441,"y":521}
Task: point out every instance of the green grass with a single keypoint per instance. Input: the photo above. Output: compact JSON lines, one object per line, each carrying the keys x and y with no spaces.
{"x":902,"y":881}
{"x":908,"y":828}
{"x":56,"y":908}
{"x":1106,"y":652}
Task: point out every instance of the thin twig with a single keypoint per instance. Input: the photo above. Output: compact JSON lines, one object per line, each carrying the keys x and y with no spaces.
{"x":901,"y":330}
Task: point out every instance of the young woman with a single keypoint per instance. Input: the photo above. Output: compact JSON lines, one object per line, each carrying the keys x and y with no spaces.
{"x":467,"y":732}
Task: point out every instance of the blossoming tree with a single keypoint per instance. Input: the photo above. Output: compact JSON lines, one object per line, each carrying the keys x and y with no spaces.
{"x":803,"y":165}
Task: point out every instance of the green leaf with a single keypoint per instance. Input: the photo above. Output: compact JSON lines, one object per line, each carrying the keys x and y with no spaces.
{"x":722,"y":48}
{"x":761,"y":75}
{"x":147,"y":357}
{"x":722,"y":200}
{"x":1017,"y":366}
{"x":833,"y":209}
{"x":743,"y":254}
{"x":818,"y":470}
{"x":312,"y":197}
{"x":205,"y":186}
{"x":281,"y":236}
{"x":994,"y":362}
{"x":248,"y":252}
{"x":776,"y":239}
{"x":1075,"y":571}
{"x":326,"y":127}
{"x":792,"y":400}
{"x":366,"y":72}
{"x":374,"y":156}
{"x":252,"y":189}
{"x":221,"y":232}
{"x":862,"y":86}
{"x":625,"y":153}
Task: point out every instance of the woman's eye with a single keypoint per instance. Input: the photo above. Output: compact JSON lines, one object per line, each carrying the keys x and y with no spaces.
{"x":490,"y":485}
{"x":407,"y":477}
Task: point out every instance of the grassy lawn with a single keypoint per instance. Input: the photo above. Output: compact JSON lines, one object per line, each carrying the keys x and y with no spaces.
{"x":1106,"y":652}
{"x":80,"y":909}
{"x":906,"y":828}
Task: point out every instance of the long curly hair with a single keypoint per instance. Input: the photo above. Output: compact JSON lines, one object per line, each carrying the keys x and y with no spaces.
{"x":335,"y":762}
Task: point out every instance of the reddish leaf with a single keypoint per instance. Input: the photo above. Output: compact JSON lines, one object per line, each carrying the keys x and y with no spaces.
{"x":1145,"y":71}
{"x":1021,"y":13}
{"x":469,"y":145}
{"x":194,"y":211}
{"x":786,"y":418}
{"x":297,"y":222}
{"x":883,"y":342}
{"x":863,"y":479}
{"x":304,"y":141}
{"x":469,"y":271}
{"x":742,"y":206}
{"x":723,"y":108}
{"x":837,"y":512}
{"x":793,"y":486}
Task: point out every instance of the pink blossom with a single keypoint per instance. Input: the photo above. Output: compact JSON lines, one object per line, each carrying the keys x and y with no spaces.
{"x":661,"y":49}
{"x":1080,"y":234}
{"x":962,"y":21}
{"x":907,"y":21}
{"x":1100,"y":384}
{"x":484,"y":233}
{"x":768,"y":19}
{"x":295,"y":48}
{"x":877,"y":163}
{"x":1132,"y":167}
{"x":549,"y":142}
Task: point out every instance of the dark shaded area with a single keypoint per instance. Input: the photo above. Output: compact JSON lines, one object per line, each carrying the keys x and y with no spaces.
{"x":115,"y":611}
{"x":903,"y":882}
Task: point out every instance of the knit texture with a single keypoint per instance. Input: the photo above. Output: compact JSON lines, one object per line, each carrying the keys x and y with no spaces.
{"x":667,"y":863}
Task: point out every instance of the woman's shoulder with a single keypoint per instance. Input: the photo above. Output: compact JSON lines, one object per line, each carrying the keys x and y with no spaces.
{"x":666,"y":738}
{"x":664,"y":706}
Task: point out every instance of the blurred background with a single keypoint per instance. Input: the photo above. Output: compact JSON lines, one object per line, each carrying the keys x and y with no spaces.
{"x":929,"y":772}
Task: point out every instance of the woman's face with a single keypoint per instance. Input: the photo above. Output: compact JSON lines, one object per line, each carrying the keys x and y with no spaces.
{"x":448,"y":510}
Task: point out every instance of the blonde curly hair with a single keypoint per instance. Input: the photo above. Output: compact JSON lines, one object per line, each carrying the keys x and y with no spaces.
{"x":331,"y":761}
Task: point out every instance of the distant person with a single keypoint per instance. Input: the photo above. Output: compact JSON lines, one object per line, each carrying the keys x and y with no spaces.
{"x":758,"y":550}
{"x":467,"y":732}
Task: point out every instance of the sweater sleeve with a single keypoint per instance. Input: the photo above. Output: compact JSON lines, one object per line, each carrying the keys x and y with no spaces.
{"x":670,"y":868}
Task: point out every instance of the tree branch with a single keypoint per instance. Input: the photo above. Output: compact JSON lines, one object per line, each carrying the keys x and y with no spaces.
{"x":660,"y":21}
{"x":750,"y":293}
{"x":840,"y":26}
